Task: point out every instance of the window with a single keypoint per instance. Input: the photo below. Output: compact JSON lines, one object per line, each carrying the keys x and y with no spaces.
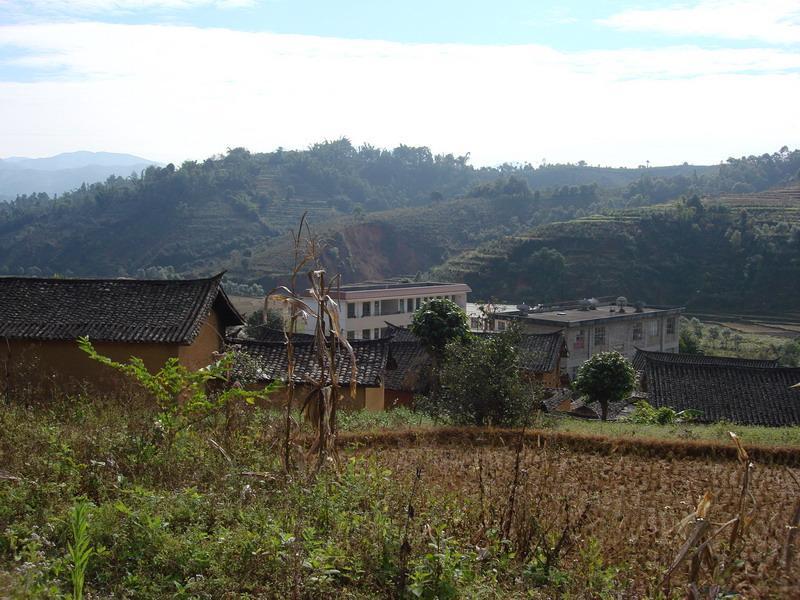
{"x":383,"y":331}
{"x":418,"y":303}
{"x":652,"y":327}
{"x":401,"y":306}
{"x":474,"y":322}
{"x":410,"y":305}
{"x":501,"y":326}
{"x":365,"y":309}
{"x":366,"y":334}
{"x":580,"y":340}
{"x":638,"y":332}
{"x":351,"y":310}
{"x":599,"y":336}
{"x":351,"y":335}
{"x":671,"y":326}
{"x":377,"y":308}
{"x":377,"y":333}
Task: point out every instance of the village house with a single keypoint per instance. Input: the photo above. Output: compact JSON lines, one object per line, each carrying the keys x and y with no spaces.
{"x":270,"y":358}
{"x":41,"y":319}
{"x":747,"y":392}
{"x":366,"y":308}
{"x":540,"y":356}
{"x":593,"y":326}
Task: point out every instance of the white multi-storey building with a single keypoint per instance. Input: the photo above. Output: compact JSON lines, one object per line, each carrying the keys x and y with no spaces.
{"x":365,"y":308}
{"x":590,"y":327}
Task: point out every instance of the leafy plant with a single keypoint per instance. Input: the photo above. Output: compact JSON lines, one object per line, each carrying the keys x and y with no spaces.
{"x":184,"y":396}
{"x":79,"y":550}
{"x":647,"y":414}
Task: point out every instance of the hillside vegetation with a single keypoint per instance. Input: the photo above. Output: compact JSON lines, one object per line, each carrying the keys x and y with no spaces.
{"x":737,"y":253}
{"x":231,"y":211}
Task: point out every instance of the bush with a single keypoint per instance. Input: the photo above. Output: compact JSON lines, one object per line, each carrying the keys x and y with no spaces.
{"x":647,"y":414}
{"x":606,"y":377}
{"x":480,"y":382}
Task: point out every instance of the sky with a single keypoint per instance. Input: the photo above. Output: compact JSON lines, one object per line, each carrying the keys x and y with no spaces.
{"x":612,"y":83}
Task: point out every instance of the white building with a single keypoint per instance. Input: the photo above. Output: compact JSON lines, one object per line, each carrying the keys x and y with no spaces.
{"x":590,"y":327}
{"x":365,"y":308}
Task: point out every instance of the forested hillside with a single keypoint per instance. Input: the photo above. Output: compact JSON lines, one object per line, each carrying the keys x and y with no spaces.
{"x":731,"y":253}
{"x":408,"y":240}
{"x":382,"y":212}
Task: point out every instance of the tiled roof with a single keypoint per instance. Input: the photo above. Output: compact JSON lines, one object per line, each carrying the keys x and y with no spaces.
{"x":111,"y":310}
{"x":412,"y":362}
{"x":640,"y":360}
{"x":748,"y":395}
{"x":399,"y":334}
{"x":372,"y":357}
{"x":539,"y":353}
{"x":268,"y":334}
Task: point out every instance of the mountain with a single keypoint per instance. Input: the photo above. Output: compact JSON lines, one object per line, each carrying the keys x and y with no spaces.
{"x":736,"y":252}
{"x":63,"y":172}
{"x":379,"y":212}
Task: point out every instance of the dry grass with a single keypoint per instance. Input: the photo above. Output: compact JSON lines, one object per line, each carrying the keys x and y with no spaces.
{"x":635,"y":504}
{"x":601,"y":445}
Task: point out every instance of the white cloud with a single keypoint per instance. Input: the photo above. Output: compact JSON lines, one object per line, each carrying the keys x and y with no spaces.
{"x":171,"y":92}
{"x":87,"y":7}
{"x":771,"y":21}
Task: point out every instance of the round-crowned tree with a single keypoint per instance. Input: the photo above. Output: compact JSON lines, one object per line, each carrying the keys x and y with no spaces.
{"x":438,"y":322}
{"x":606,"y":377}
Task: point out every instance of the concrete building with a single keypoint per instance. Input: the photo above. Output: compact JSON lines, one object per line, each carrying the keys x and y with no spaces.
{"x":366,"y":308}
{"x":593,"y":326}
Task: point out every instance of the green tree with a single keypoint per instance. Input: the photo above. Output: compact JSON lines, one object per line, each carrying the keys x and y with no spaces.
{"x":606,"y":377}
{"x":438,"y":322}
{"x":480,"y":381}
{"x":688,"y":343}
{"x":256,"y":323}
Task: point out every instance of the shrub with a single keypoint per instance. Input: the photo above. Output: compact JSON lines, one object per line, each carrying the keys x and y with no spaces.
{"x":647,"y":414}
{"x":606,"y":377}
{"x":480,"y":382}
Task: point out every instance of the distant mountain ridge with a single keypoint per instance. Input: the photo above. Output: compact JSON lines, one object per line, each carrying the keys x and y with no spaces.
{"x":395,"y":212}
{"x":64,"y":172}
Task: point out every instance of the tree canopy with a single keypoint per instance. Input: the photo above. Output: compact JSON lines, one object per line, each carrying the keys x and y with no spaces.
{"x":606,"y":377}
{"x":438,"y":322}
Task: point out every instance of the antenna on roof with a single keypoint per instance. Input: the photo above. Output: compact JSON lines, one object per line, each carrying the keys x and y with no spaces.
{"x":622,"y":302}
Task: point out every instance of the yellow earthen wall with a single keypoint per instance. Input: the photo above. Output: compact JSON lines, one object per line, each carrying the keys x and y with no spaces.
{"x":53,"y":366}
{"x":200,"y":353}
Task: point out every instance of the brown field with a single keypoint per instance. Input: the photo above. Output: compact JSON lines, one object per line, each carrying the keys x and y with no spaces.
{"x":633,"y":506}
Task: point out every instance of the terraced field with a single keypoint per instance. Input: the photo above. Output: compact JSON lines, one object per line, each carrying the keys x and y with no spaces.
{"x":771,"y":206}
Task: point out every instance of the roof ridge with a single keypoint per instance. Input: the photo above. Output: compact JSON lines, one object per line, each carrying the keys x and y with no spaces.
{"x":721,"y":365}
{"x":218,"y":276}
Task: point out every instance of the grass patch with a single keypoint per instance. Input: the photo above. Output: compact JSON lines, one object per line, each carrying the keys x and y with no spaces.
{"x":718,"y":432}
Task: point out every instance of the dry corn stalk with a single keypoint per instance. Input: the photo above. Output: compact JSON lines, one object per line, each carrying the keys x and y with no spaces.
{"x":698,"y":547}
{"x":328,"y":343}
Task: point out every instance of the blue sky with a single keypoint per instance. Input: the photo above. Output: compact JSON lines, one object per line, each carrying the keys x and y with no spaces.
{"x":608,"y":82}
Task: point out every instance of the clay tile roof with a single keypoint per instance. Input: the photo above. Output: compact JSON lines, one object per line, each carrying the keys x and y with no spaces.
{"x":111,"y":310}
{"x":538,"y":352}
{"x":641,"y":357}
{"x":748,"y":395}
{"x":372,"y":357}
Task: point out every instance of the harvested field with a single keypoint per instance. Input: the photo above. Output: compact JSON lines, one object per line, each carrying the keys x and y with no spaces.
{"x":634,"y":505}
{"x":604,"y":445}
